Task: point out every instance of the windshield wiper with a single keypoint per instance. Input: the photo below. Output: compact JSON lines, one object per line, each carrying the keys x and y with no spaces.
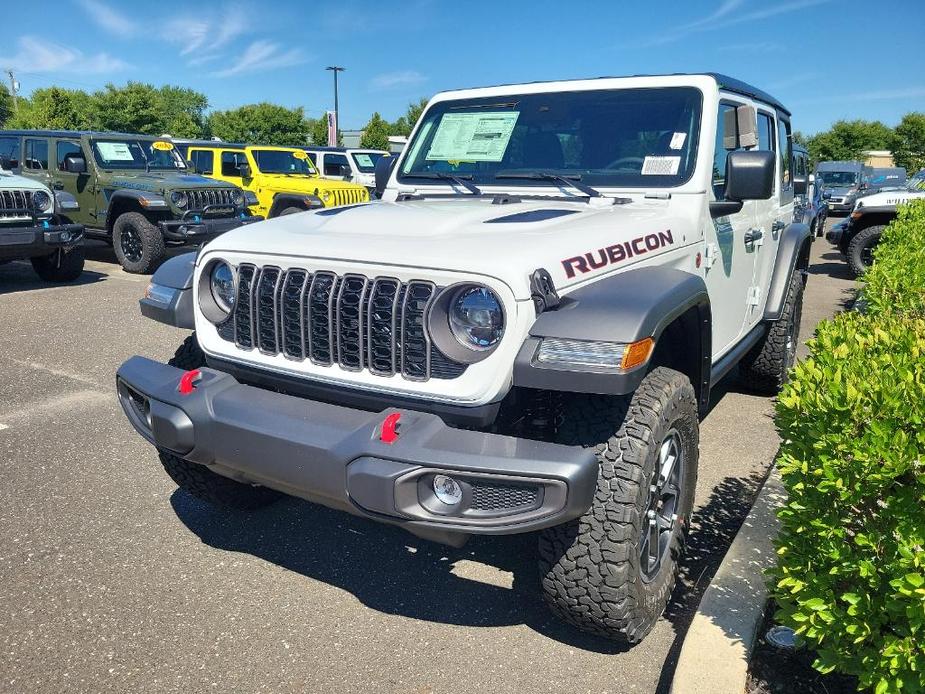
{"x":570,"y":180}
{"x":462,"y":180}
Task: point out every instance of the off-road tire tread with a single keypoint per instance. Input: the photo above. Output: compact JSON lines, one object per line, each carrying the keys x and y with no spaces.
{"x":152,"y":243}
{"x":189,"y":355}
{"x":857,"y":244}
{"x":590,"y":567}
{"x":764,"y":369}
{"x":201,"y":482}
{"x":72,"y":265}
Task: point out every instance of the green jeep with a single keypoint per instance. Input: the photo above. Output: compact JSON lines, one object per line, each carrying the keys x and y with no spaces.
{"x":133,"y":191}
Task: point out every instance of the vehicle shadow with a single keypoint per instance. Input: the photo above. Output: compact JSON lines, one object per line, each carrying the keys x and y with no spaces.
{"x":390,"y":570}
{"x":18,"y":276}
{"x":832,"y":264}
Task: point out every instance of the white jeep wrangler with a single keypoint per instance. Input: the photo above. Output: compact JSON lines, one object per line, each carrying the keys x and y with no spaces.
{"x":519,"y":337}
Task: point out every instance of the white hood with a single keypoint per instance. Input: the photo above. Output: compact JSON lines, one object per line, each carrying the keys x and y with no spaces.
{"x":460,"y":235}
{"x":890,"y":197}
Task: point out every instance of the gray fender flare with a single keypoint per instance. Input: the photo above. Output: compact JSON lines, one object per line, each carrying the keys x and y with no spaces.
{"x":171,"y":300}
{"x":623,"y":308}
{"x":283,"y":200}
{"x":153,"y":202}
{"x":792,"y":256}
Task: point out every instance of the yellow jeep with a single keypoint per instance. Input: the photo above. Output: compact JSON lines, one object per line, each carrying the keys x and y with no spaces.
{"x":282,"y":179}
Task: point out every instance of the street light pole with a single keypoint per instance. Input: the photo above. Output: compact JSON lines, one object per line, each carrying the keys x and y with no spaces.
{"x":335,"y":69}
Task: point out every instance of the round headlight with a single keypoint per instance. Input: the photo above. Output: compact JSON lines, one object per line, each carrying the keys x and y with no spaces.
{"x":222,"y":283}
{"x":179,"y":199}
{"x":41,"y":201}
{"x":476,"y":318}
{"x":237,"y":197}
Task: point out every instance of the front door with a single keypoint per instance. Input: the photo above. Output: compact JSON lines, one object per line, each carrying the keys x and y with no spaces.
{"x":729,"y":257}
{"x":35,"y":160}
{"x":79,"y":185}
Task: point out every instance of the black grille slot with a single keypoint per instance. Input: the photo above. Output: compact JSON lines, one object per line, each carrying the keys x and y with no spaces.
{"x":487,"y":496}
{"x":15,"y":204}
{"x":244,"y":308}
{"x":291,"y":312}
{"x":351,"y":320}
{"x":200,"y":198}
{"x":318,"y":307}
{"x":415,"y":357}
{"x":266,"y":304}
{"x":350,"y":331}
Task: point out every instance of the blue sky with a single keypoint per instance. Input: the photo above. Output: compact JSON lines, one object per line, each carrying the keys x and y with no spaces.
{"x":825,"y":59}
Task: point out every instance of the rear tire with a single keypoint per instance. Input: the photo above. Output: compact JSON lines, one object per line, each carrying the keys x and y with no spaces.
{"x":767,"y":366}
{"x":597,"y":571}
{"x":60,"y":266}
{"x":137,"y":242}
{"x":861,"y":247}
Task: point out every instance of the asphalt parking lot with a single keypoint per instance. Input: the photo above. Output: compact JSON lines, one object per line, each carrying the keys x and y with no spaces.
{"x":111,"y":580}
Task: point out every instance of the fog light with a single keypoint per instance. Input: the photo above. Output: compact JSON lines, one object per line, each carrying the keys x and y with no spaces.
{"x":447,"y":490}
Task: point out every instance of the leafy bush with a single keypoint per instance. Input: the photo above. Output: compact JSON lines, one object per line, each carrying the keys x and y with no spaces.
{"x":896,"y":281}
{"x":851,"y":571}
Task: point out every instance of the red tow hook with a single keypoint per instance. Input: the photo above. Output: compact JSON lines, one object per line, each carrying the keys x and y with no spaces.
{"x":188,"y":381}
{"x":389,"y":433}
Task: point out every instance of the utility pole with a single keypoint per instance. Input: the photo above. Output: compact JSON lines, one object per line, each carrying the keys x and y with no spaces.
{"x":335,"y":69}
{"x":14,"y":90}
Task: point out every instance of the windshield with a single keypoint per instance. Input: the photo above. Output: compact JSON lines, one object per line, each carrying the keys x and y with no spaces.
{"x":838,"y":179}
{"x":366,"y":161}
{"x":137,"y":154}
{"x":283,"y":162}
{"x":637,"y":138}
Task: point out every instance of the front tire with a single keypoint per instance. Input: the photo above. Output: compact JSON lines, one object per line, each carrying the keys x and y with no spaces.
{"x":137,"y":242}
{"x":767,"y":365}
{"x":612,"y":571}
{"x":60,"y":266}
{"x":861,"y":249}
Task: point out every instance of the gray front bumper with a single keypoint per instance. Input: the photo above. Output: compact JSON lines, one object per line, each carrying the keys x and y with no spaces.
{"x":333,"y":455}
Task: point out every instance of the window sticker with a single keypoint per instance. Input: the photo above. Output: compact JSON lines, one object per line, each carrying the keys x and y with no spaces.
{"x":661,"y":166}
{"x":300,"y":154}
{"x":364,"y":160}
{"x":677,"y":140}
{"x":472,"y":136}
{"x":162,"y":146}
{"x":114,"y":151}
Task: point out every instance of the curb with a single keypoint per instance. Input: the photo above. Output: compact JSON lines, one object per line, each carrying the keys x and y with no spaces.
{"x":716,"y":650}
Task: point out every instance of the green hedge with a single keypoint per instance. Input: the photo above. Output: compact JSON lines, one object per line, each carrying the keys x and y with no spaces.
{"x":851,"y":571}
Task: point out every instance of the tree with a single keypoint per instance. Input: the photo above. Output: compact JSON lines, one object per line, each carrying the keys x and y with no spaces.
{"x":376,"y":133}
{"x":55,"y":108}
{"x":318,"y":131}
{"x":183,"y":111}
{"x":909,"y":142}
{"x":6,"y":104}
{"x":849,"y":140}
{"x":141,"y":108}
{"x":263,"y":123}
{"x":405,"y":124}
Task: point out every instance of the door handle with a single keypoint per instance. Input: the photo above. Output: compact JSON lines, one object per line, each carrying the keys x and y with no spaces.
{"x":753,"y":235}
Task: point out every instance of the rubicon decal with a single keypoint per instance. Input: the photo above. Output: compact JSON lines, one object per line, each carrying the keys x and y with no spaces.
{"x":595,"y":260}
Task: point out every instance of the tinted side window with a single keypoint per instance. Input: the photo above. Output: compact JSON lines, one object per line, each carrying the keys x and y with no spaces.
{"x":230,"y":162}
{"x":765,"y":132}
{"x":332,"y":164}
{"x":786,"y":158}
{"x":62,"y":149}
{"x":36,"y":155}
{"x":202,"y":160}
{"x":10,"y":149}
{"x":727,"y":140}
{"x":313,"y":157}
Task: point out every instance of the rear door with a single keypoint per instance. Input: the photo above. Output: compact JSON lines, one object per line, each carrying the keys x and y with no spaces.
{"x":79,"y":185}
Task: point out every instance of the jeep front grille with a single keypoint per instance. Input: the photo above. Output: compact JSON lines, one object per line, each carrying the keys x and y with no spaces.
{"x":200,"y":198}
{"x":350,"y":321}
{"x":348,"y":196}
{"x":15,"y":204}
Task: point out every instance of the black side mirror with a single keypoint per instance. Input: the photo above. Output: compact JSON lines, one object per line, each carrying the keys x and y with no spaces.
{"x":75,"y":163}
{"x":750,"y":175}
{"x":191,"y":166}
{"x":7,"y":163}
{"x":383,"y":173}
{"x":344,"y":170}
{"x":244,"y":170}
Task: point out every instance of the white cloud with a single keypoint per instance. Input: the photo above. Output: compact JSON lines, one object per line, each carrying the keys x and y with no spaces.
{"x":261,"y":56}
{"x":38,"y":55}
{"x":402,"y":78}
{"x":752,"y":47}
{"x":725,"y":16}
{"x":109,"y":19}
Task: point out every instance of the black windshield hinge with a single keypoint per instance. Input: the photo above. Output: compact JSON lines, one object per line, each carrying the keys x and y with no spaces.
{"x":543,"y":291}
{"x":505,"y":199}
